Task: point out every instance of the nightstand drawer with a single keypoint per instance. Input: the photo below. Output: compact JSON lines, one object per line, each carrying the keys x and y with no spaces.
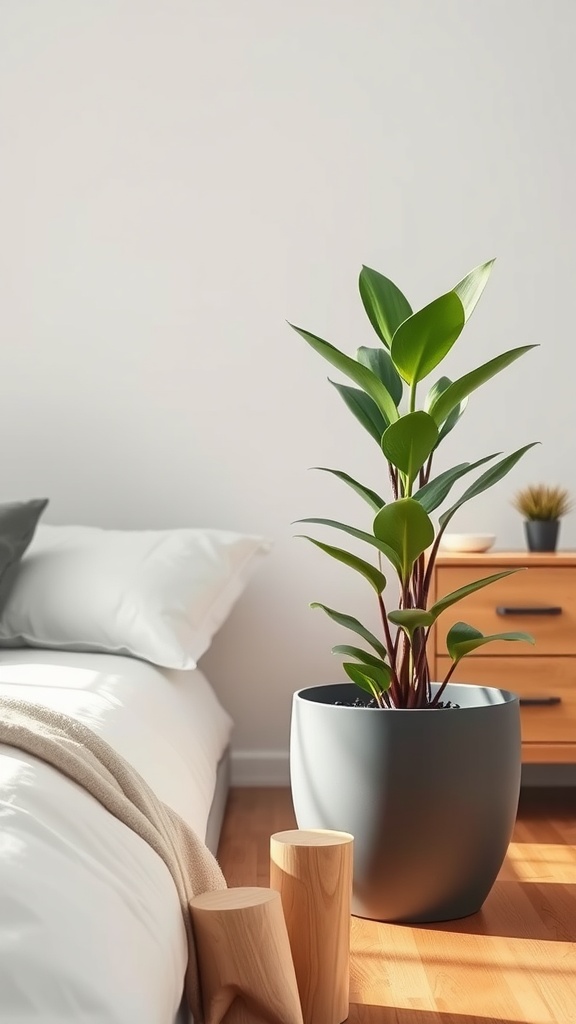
{"x":535,"y":680}
{"x":538,"y":600}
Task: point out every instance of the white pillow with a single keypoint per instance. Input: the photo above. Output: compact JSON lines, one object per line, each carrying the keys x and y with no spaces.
{"x":158,"y":595}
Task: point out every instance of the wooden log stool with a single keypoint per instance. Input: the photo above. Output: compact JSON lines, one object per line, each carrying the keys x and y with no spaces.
{"x":312,"y":870}
{"x":244,"y":959}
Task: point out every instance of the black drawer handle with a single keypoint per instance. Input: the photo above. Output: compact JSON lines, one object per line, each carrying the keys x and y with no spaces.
{"x":539,"y":701}
{"x":552,"y":610}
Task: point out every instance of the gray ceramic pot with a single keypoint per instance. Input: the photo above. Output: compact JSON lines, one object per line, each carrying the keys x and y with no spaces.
{"x":429,"y":796}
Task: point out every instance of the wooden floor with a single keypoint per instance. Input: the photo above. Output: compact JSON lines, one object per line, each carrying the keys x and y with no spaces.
{"x":514,"y":962}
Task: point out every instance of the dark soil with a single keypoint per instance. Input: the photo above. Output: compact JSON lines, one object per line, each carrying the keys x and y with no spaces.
{"x":370,"y":702}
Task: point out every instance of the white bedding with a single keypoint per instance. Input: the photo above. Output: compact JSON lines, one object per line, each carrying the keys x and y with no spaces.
{"x":90,"y":927}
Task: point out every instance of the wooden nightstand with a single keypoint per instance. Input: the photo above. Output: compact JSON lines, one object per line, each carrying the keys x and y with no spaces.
{"x":540,"y":601}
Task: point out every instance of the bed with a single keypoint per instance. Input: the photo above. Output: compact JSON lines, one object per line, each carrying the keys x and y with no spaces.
{"x":90,"y":925}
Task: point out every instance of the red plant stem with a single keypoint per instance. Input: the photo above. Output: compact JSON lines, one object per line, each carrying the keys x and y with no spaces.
{"x":426,"y":674}
{"x":420,"y":663}
{"x":435,"y":701}
{"x":395,"y":688}
{"x":410,"y":692}
{"x":396,"y":643}
{"x":405,"y":648}
{"x":424,"y":473}
{"x":404,"y":671}
{"x":420,"y":683}
{"x":420,"y":695}
{"x":431,"y":562}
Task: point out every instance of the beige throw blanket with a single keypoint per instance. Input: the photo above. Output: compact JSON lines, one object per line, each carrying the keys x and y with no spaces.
{"x":83,"y":756}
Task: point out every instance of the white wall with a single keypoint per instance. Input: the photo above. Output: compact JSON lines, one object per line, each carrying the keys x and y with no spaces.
{"x":177,"y":179}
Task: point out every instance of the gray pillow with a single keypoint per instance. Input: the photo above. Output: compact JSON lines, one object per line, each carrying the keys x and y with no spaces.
{"x":18,"y":520}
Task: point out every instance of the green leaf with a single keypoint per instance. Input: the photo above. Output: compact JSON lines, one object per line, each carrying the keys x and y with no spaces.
{"x":369,"y":677}
{"x":435,"y":391}
{"x":432,"y":494}
{"x":462,"y":592}
{"x":411,"y":618}
{"x":378,"y":360}
{"x":364,"y":409}
{"x":404,"y":527}
{"x":368,"y":538}
{"x":463,"y":639}
{"x":443,"y":405}
{"x":376,"y":578}
{"x":361,"y":375}
{"x":356,"y":652}
{"x":349,"y":622}
{"x":373,"y":499}
{"x":422,"y":341}
{"x":384,"y":303}
{"x":470,"y":288}
{"x":408,"y":442}
{"x":451,"y":420}
{"x":486,"y":480}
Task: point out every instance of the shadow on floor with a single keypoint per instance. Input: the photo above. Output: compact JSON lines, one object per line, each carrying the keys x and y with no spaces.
{"x":393,"y":1015}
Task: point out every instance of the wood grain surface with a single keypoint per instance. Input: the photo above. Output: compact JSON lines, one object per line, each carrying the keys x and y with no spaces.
{"x":543,"y":587}
{"x":312,"y":871}
{"x":244,"y":959}
{"x":513,"y":963}
{"x":546,"y":669}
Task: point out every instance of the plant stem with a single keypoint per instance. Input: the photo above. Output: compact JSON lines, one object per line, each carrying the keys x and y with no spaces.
{"x":425,"y":686}
{"x":395,"y":684}
{"x":405,"y":682}
{"x":396,"y":643}
{"x":426,"y":470}
{"x":393,"y":480}
{"x":418,"y":582}
{"x":435,"y":701}
{"x":430,"y":566}
{"x":379,"y":698}
{"x":421,"y":657}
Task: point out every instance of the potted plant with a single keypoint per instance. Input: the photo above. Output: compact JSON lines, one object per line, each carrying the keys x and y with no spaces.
{"x":542,"y":508}
{"x":424,"y":773}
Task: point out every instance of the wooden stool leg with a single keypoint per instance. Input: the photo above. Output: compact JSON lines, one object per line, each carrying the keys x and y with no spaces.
{"x":312,"y":870}
{"x":244,"y":959}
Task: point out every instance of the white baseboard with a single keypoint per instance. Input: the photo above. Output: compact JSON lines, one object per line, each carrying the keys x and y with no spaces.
{"x":260,"y":768}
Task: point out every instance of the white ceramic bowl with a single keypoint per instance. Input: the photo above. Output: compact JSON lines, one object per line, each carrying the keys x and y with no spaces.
{"x":468,"y":541}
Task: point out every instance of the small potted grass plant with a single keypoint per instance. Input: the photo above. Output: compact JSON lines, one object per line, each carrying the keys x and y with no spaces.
{"x":424,"y":773}
{"x":542,"y":506}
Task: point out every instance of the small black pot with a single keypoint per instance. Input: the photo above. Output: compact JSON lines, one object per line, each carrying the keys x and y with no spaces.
{"x":542,"y":534}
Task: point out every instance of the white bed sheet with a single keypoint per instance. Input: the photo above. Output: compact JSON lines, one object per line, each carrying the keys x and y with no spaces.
{"x":90,"y":927}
